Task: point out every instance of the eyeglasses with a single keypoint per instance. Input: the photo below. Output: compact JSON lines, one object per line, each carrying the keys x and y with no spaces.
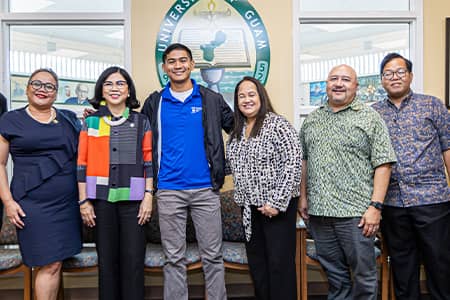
{"x":37,"y":84}
{"x":121,"y":84}
{"x":390,"y":74}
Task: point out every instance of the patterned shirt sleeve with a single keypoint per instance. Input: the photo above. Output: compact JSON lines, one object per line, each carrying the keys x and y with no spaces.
{"x":442,"y":123}
{"x":382,"y":151}
{"x":291,"y":154}
{"x":227,"y":170}
{"x":302,"y":141}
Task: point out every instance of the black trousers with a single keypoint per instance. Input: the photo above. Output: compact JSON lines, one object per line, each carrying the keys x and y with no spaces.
{"x":120,"y":244}
{"x":271,"y":254}
{"x":416,"y":235}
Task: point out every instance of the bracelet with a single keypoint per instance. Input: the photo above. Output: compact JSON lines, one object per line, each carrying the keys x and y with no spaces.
{"x":377,"y":205}
{"x":149,"y":191}
{"x":81,"y":202}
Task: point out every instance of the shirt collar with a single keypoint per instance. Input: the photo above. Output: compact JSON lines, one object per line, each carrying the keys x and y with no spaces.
{"x":355,"y":105}
{"x":404,"y":102}
{"x":166,"y":94}
{"x":103,"y":111}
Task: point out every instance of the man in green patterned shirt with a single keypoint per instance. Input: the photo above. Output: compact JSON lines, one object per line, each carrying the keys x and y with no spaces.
{"x":347,"y":156}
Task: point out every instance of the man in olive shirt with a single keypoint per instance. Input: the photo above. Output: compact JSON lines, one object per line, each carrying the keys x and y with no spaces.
{"x":347,"y":156}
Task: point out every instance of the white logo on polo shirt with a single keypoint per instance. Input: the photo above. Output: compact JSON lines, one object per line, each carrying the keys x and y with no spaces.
{"x":196,"y":109}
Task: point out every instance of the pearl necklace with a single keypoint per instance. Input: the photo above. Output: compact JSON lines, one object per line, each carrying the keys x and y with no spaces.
{"x":114,"y":123}
{"x":52,"y":115}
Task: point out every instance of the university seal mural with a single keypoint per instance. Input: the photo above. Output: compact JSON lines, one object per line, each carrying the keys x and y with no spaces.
{"x":228,"y":40}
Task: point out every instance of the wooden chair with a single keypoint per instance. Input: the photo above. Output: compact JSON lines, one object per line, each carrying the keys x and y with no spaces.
{"x":84,"y":262}
{"x":234,"y":253}
{"x":21,"y":268}
{"x":308,"y":258}
{"x":10,"y":258}
{"x":154,"y":256}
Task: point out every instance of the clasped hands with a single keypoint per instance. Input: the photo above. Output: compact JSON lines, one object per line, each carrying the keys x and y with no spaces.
{"x":268,"y":210}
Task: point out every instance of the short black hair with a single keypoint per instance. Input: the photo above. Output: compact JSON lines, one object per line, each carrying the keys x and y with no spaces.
{"x":392,"y":56}
{"x":46,"y":70}
{"x":176,"y":46}
{"x":131,"y":102}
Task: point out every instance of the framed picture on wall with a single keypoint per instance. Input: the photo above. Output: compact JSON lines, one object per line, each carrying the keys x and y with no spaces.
{"x":70,"y":91}
{"x":72,"y":94}
{"x":447,"y":62}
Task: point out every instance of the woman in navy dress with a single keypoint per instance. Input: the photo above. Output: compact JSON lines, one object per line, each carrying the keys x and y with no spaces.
{"x":3,"y":109}
{"x":43,"y":201}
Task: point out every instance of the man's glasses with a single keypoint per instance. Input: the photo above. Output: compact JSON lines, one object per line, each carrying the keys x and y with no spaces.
{"x":390,"y":74}
{"x":121,"y":84}
{"x":48,"y":87}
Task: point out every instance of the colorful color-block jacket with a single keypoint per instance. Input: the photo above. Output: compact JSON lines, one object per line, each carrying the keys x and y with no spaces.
{"x":115,"y":156}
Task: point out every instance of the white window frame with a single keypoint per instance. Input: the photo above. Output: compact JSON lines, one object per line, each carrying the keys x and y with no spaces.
{"x":8,"y":19}
{"x":414,"y":17}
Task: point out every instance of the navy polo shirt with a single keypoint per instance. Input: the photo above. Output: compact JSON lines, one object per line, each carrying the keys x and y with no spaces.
{"x":183,"y":163}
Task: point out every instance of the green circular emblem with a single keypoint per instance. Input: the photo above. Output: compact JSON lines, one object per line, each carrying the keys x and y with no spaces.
{"x":227,"y":37}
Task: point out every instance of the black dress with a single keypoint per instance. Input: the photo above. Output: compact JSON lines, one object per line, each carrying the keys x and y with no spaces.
{"x":44,"y":184}
{"x":3,"y":109}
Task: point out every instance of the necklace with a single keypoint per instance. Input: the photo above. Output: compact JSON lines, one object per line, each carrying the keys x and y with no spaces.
{"x":52,"y":115}
{"x":114,"y":123}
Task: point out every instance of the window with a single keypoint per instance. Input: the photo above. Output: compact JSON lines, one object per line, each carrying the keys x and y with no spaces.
{"x":71,"y":6}
{"x":77,"y":48}
{"x":359,"y":45}
{"x":357,"y":33}
{"x":78,"y":54}
{"x":354,"y":5}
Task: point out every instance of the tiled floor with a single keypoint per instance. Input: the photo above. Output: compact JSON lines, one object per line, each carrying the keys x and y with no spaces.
{"x":91,"y":294}
{"x":17,"y":295}
{"x":424,"y":297}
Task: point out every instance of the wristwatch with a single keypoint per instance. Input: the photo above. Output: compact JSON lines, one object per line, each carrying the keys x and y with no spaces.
{"x":377,"y":205}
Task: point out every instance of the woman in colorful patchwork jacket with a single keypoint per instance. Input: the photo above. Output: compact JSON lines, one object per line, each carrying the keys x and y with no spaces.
{"x":115,"y":182}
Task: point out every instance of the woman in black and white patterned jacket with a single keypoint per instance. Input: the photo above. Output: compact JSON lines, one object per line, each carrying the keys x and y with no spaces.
{"x":264,"y":155}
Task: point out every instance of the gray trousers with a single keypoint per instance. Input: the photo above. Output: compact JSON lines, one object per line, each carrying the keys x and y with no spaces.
{"x":345,"y":253}
{"x":204,"y":206}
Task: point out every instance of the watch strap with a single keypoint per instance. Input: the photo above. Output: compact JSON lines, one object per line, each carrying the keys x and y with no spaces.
{"x":376,"y":204}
